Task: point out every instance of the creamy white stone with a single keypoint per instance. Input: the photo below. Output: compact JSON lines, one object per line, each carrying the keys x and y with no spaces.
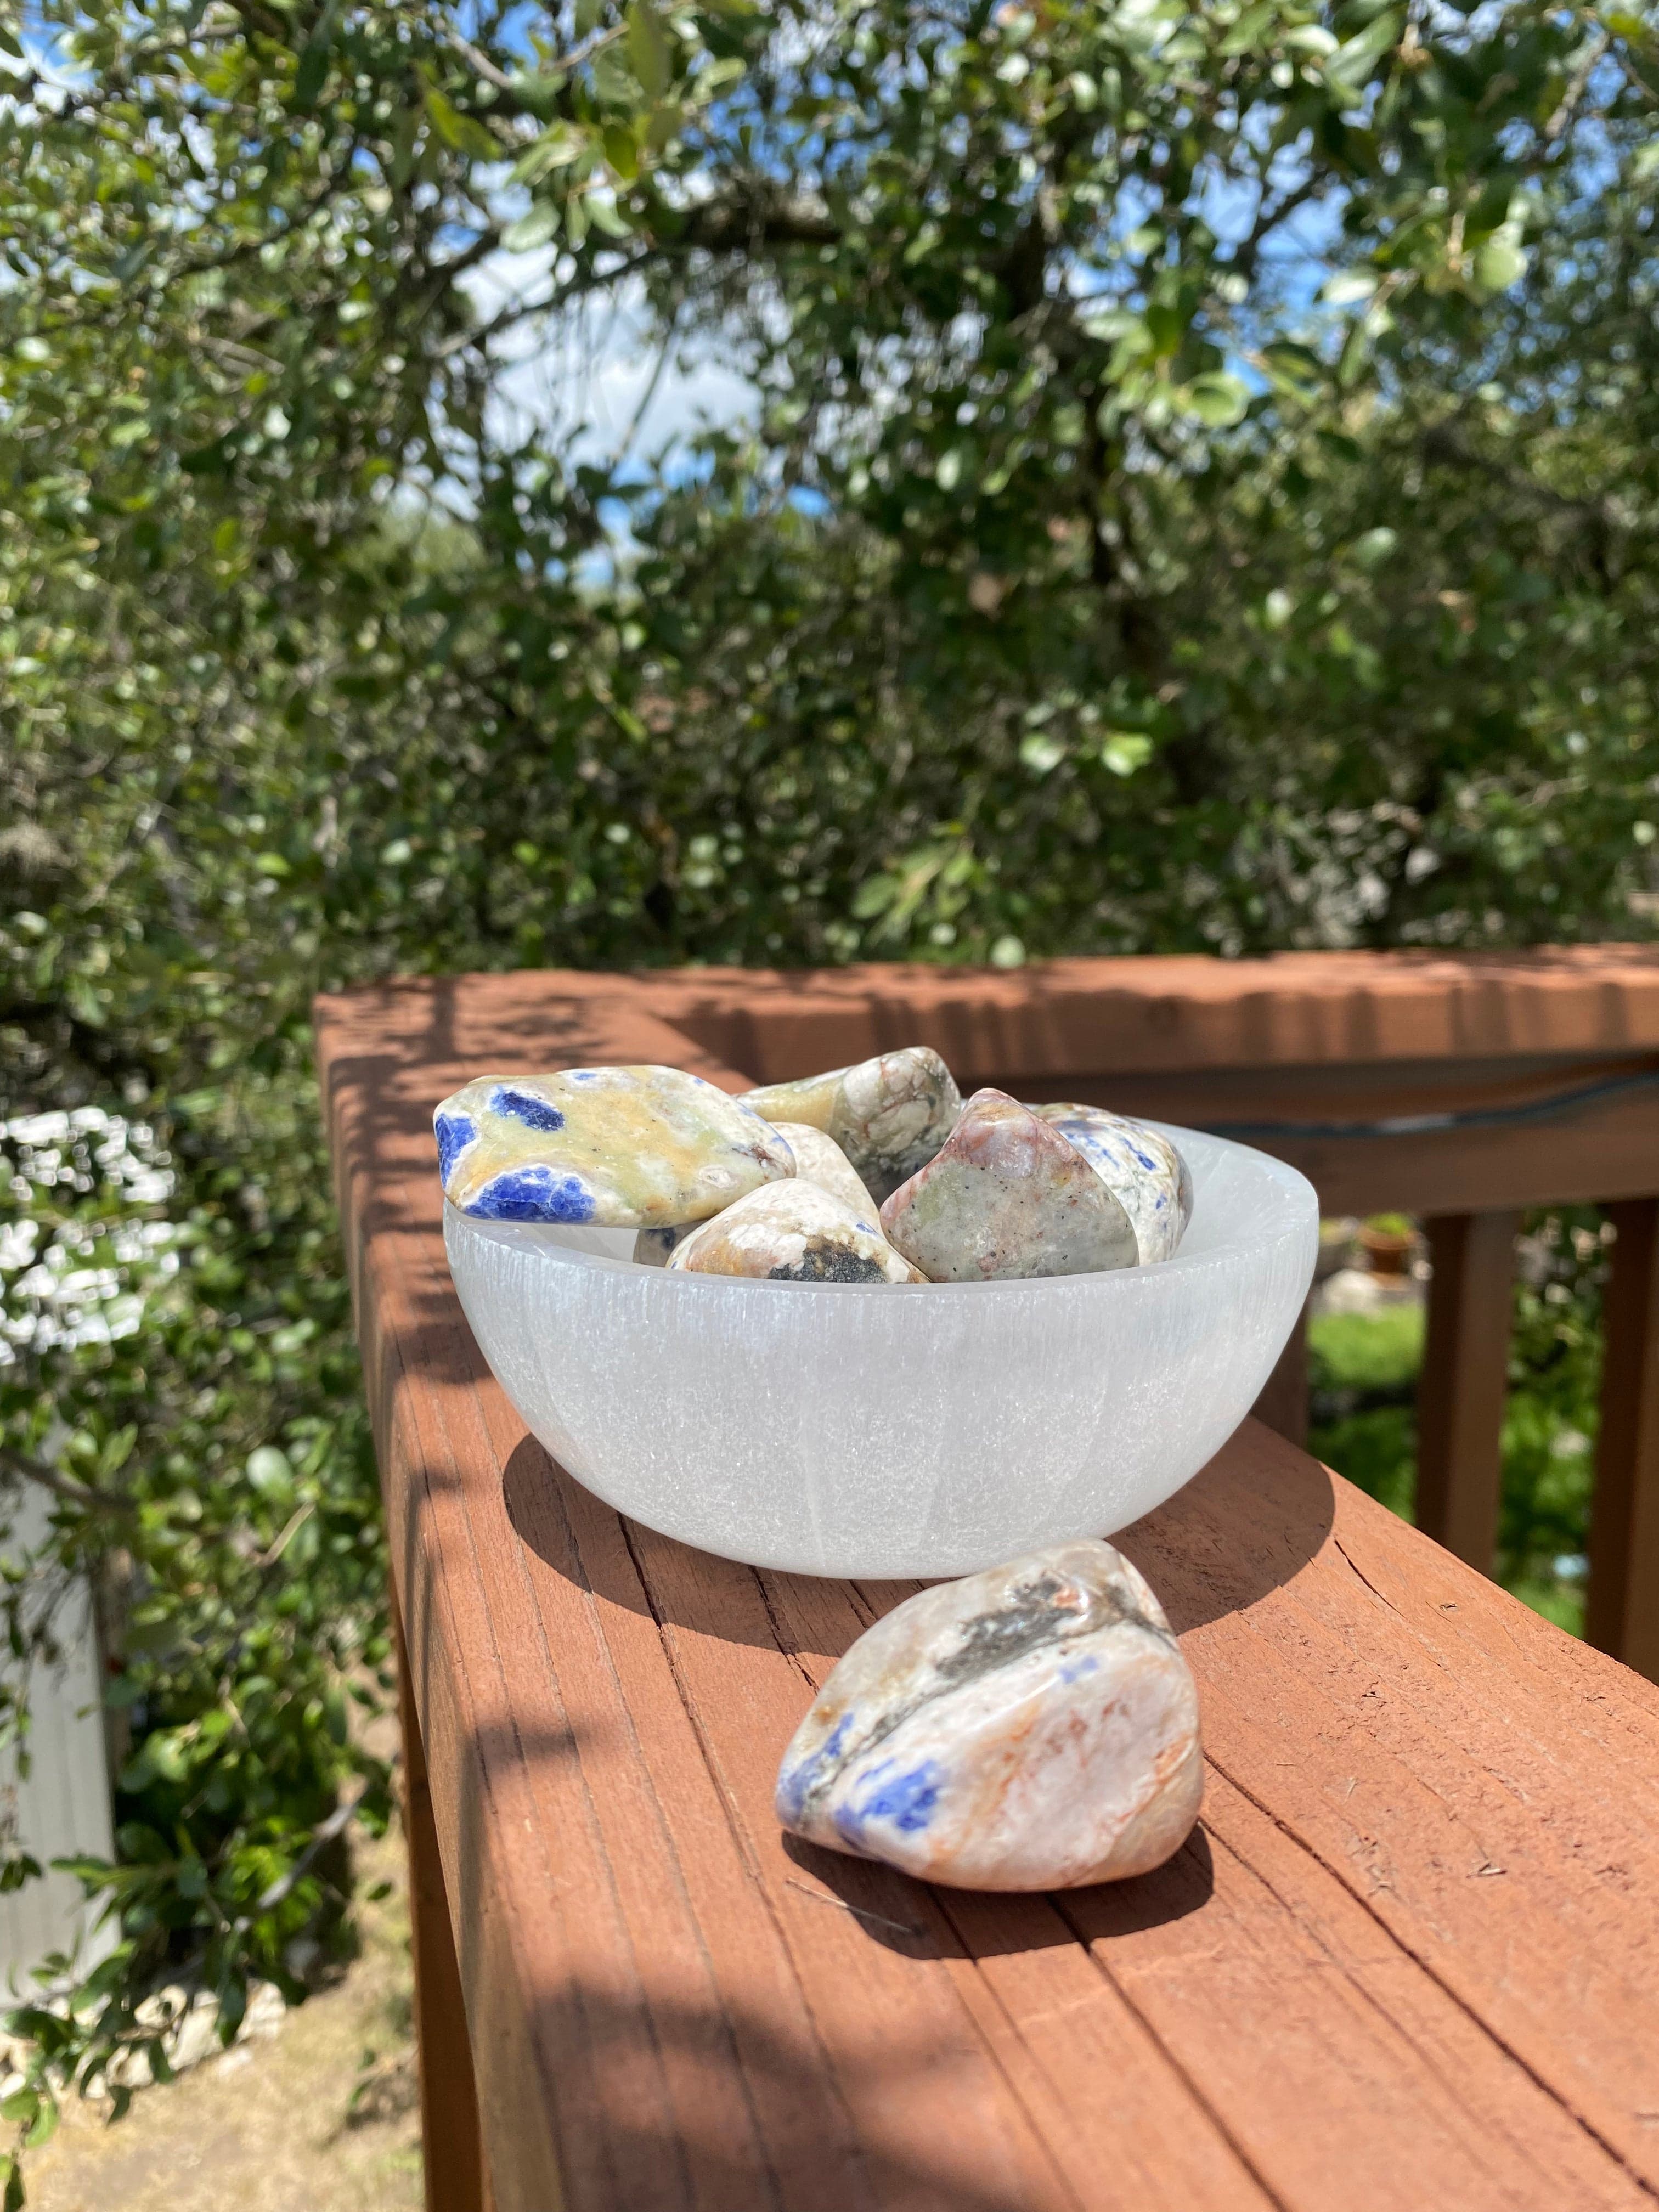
{"x":792,"y":1232}
{"x":1032,"y":1727}
{"x":819,"y":1159}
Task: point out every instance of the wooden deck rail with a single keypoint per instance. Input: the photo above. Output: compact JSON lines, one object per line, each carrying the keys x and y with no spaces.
{"x":1410,"y":1955}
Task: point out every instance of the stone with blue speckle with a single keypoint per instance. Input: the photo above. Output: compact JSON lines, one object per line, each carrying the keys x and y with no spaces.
{"x":1005,"y":1198}
{"x":1141,"y":1169}
{"x":617,"y":1148}
{"x":1033,"y":1727}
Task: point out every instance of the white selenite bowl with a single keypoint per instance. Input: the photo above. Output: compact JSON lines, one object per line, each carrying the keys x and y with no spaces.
{"x":894,"y":1430}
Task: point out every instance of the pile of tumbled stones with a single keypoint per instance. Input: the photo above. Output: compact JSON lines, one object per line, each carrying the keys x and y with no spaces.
{"x":877,"y":1173}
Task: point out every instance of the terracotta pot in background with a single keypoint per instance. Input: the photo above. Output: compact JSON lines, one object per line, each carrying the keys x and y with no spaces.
{"x":1387,"y":1251}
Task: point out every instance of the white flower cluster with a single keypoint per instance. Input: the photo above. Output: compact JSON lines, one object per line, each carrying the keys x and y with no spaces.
{"x":72,"y":1272}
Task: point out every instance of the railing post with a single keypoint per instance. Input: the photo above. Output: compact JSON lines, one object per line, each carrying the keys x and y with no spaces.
{"x":451,"y":2144}
{"x":1460,"y":1396}
{"x":1623,"y":1615}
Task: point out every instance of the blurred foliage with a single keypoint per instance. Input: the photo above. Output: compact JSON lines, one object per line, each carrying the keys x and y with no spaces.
{"x":1363,"y":1372}
{"x":1199,"y":492}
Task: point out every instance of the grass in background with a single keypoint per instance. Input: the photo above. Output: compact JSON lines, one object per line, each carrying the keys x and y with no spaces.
{"x":1364,"y":1370}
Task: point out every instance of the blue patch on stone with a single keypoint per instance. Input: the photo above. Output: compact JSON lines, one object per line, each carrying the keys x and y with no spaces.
{"x":1075,"y":1669}
{"x":454,"y":1133}
{"x":794,"y":1786}
{"x":521,"y":1106}
{"x":533,"y":1194}
{"x":906,"y":1801}
{"x":583,"y":1074}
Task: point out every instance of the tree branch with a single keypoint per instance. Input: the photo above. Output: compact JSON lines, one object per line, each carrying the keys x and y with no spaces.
{"x":752,"y":215}
{"x":513,"y":86}
{"x":82,"y":1494}
{"x":1575,"y":88}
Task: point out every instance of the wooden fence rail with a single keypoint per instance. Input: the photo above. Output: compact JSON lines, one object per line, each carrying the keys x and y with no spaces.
{"x":1459,"y":1088}
{"x":1407,"y":1957}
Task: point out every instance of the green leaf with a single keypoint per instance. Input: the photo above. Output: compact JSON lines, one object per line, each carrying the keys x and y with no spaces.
{"x":621,"y":151}
{"x":1042,"y":753}
{"x":1349,"y":285}
{"x":311,"y":76}
{"x":1293,"y":369}
{"x":1499,"y":262}
{"x":1216,"y":399}
{"x":1125,"y":750}
{"x":1373,"y":547}
{"x":556,"y":149}
{"x":465,"y":133}
{"x":649,"y":50}
{"x":607,"y":216}
{"x":544,"y":222}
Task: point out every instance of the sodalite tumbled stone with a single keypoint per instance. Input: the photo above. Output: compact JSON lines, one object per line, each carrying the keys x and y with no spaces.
{"x":887,"y":1114}
{"x":1143,"y":1170}
{"x":1033,"y":1727}
{"x":620,"y":1148}
{"x":1007,"y":1198}
{"x":792,"y":1232}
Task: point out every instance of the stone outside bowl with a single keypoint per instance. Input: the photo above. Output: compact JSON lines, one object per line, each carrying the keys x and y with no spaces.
{"x":887,"y":1430}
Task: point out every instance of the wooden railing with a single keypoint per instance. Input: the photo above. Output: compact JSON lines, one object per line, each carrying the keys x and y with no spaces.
{"x":632,"y":1991}
{"x":1458,"y":1088}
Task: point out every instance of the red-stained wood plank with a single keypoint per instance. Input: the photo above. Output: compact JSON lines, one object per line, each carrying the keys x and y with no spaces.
{"x":1408,"y":1958}
{"x":1484,"y":1786}
{"x":1112,"y":1016}
{"x":453,"y":2173}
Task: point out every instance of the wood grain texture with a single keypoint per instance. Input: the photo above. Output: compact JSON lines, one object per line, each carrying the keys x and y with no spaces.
{"x":1410,"y":1956}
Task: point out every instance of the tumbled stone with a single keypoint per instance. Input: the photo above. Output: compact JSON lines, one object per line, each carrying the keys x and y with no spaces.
{"x":1142,"y":1168}
{"x":888,"y":1115}
{"x":620,"y":1147}
{"x":1032,"y":1727}
{"x":819,"y":1159}
{"x":792,"y":1232}
{"x":1006,"y":1198}
{"x":652,"y":1246}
